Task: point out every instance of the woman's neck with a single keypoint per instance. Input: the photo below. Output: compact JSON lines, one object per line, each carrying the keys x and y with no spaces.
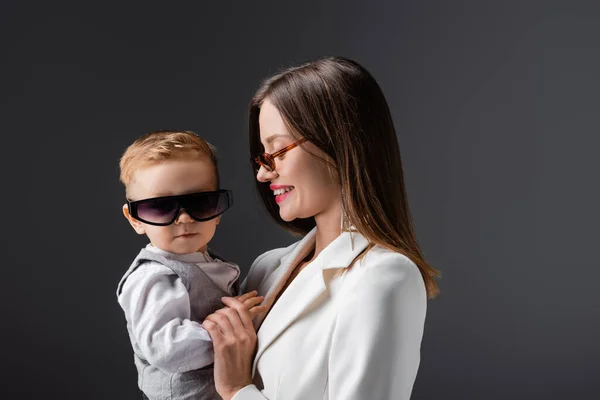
{"x":328,"y":228}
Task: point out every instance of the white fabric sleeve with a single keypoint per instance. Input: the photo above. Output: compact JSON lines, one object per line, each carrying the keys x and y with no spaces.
{"x":157,"y":305}
{"x":249,"y":392}
{"x":375,"y":351}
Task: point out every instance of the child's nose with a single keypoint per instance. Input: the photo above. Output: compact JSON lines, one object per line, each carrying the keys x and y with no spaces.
{"x":183,"y":217}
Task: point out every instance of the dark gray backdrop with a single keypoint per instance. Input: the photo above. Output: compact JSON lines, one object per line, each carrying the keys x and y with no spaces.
{"x":496,"y":105}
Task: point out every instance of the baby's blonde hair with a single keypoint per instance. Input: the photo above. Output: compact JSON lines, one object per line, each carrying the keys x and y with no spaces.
{"x":162,"y":146}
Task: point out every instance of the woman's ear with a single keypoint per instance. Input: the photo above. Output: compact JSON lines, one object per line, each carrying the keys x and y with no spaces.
{"x":135,"y":224}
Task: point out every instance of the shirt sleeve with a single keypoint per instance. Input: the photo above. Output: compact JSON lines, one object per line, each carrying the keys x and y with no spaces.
{"x":157,"y":307}
{"x":249,"y":392}
{"x":375,"y":351}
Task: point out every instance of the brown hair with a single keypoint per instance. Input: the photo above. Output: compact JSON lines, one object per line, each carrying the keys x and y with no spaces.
{"x":338,"y":106}
{"x":161,"y":146}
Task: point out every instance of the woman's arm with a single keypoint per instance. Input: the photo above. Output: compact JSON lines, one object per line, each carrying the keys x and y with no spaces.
{"x":376,"y":344}
{"x":236,"y":347}
{"x":234,"y":342}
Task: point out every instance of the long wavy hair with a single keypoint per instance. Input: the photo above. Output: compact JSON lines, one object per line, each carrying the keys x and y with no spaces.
{"x":338,"y":106}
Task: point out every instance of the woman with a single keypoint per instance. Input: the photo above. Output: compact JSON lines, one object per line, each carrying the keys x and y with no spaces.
{"x":345,"y":305}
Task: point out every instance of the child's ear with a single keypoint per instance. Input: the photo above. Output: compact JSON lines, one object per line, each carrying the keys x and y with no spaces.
{"x":218,"y":219}
{"x":135,"y":224}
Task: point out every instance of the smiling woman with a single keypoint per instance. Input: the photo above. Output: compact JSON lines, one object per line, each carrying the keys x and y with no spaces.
{"x":267,"y":160}
{"x":302,"y":187}
{"x":345,"y":304}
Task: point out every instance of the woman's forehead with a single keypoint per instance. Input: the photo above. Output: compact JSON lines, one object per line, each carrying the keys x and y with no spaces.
{"x":272,"y":127}
{"x":268,"y":139}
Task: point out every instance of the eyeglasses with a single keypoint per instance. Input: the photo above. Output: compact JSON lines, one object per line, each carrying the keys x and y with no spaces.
{"x":162,"y":211}
{"x":268,"y":160}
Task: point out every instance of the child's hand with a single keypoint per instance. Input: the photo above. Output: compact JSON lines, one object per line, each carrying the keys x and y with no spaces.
{"x":251,"y":301}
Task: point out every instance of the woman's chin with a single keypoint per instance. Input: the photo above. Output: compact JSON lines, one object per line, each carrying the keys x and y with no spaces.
{"x":286,"y":216}
{"x":287,"y":219}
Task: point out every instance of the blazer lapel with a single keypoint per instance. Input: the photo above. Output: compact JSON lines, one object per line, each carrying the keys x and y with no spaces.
{"x":306,"y":289}
{"x":279,"y":276}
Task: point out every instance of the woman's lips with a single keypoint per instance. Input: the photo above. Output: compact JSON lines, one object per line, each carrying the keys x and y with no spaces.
{"x":281,"y":192}
{"x":282,"y":197}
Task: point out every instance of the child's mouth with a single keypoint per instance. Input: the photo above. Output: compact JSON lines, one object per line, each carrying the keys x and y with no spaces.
{"x":186,"y":235}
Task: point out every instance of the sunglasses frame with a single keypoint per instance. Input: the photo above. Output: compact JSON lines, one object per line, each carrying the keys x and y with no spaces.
{"x":132,"y":206}
{"x":269,"y":162}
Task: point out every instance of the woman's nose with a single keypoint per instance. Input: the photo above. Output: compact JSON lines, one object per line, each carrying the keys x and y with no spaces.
{"x":264,"y":175}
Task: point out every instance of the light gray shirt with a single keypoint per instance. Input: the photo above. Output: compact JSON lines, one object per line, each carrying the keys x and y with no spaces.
{"x":157,"y":304}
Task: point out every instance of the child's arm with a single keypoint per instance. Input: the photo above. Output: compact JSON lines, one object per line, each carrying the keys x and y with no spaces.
{"x":157,"y":305}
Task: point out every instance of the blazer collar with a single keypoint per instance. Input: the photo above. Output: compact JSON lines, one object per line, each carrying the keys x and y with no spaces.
{"x":308,"y":287}
{"x":342,"y":251}
{"x":338,"y":254}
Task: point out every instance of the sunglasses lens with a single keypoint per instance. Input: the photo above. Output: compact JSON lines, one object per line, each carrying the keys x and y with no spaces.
{"x":158,"y":211}
{"x":205,"y":206}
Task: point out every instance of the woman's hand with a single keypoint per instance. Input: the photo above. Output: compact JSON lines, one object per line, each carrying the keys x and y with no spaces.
{"x":251,"y":302}
{"x":234,"y":341}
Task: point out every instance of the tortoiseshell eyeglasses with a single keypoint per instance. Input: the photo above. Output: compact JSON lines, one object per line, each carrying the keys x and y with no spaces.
{"x":268,"y":160}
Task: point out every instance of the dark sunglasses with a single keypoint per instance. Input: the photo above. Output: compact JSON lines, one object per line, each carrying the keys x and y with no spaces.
{"x":162,"y":211}
{"x":268,"y":160}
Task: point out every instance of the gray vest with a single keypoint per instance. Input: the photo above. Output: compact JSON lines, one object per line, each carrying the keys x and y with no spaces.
{"x":205,"y":298}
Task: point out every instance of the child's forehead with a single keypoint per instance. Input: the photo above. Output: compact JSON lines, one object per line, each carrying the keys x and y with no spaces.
{"x":172,"y":177}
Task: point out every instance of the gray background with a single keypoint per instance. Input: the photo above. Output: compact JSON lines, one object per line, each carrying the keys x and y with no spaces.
{"x":496,"y":106}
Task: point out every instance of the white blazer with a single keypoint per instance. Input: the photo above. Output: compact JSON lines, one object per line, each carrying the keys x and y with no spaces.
{"x":334,"y":335}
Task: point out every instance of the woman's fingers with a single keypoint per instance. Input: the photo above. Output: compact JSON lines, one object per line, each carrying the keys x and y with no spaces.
{"x":253,"y":301}
{"x":222,"y":321}
{"x":242,"y":312}
{"x":250,"y":305}
{"x":213,"y":330}
{"x":254,"y":311}
{"x":234,"y":319}
{"x":246,"y":296}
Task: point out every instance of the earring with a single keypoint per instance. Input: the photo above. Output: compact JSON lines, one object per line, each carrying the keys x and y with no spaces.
{"x":346,"y":225}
